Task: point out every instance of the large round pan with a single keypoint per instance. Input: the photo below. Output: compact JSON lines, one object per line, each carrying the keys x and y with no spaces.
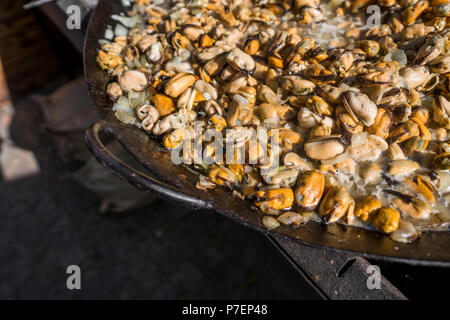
{"x":178,"y":183}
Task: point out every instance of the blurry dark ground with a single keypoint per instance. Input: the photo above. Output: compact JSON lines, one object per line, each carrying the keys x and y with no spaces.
{"x":50,"y":221}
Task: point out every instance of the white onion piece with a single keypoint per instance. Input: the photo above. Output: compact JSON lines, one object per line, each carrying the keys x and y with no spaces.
{"x":133,"y":95}
{"x":291,"y":218}
{"x":137,"y":99}
{"x":101,"y":42}
{"x":204,"y":183}
{"x":120,"y":31}
{"x":184,"y":54}
{"x":127,"y":117}
{"x":122,"y":104}
{"x":178,"y":65}
{"x":443,"y":212}
{"x":405,"y":233}
{"x":129,"y":22}
{"x":197,"y":3}
{"x":400,"y":56}
{"x":444,"y":181}
{"x":155,"y":52}
{"x":175,"y":15}
{"x":109,"y":34}
{"x":270,"y":222}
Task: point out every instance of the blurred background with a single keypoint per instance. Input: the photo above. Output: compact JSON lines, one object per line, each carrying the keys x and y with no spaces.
{"x":59,"y":207}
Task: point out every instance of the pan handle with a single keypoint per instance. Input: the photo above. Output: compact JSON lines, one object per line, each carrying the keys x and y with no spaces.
{"x":133,"y":176}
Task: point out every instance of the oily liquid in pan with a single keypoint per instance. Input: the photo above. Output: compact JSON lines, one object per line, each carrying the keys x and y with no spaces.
{"x":323,"y":32}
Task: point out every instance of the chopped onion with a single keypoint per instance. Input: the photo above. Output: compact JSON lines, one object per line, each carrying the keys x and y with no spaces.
{"x":155,"y":52}
{"x":197,"y":3}
{"x":129,"y":22}
{"x":109,"y":33}
{"x":204,"y":183}
{"x":270,"y":222}
{"x":159,"y":2}
{"x":398,"y":55}
{"x":101,"y":42}
{"x":122,"y":104}
{"x":133,"y":95}
{"x":405,"y":233}
{"x":175,"y":15}
{"x":178,"y":65}
{"x":136,"y":98}
{"x":444,"y":181}
{"x":120,"y":30}
{"x":184,"y":54}
{"x":291,"y":218}
{"x":127,"y":117}
{"x":444,"y":214}
{"x":143,"y":95}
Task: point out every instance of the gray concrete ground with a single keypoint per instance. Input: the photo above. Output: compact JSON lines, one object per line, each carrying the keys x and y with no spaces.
{"x":160,"y":251}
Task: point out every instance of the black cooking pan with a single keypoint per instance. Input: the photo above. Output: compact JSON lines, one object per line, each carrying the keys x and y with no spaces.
{"x":178,"y":183}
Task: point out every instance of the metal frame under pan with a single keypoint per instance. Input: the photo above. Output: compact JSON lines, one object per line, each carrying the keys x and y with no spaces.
{"x":178,"y":183}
